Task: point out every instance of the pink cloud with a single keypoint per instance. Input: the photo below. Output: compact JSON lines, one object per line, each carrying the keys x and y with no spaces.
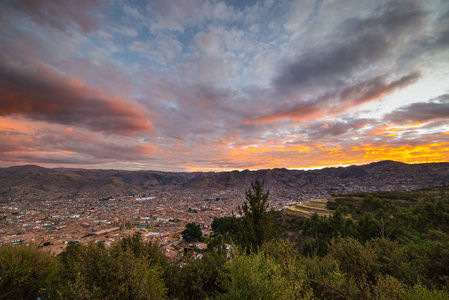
{"x":40,"y":93}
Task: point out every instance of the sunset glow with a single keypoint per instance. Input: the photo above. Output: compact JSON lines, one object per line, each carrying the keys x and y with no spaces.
{"x":195,"y":85}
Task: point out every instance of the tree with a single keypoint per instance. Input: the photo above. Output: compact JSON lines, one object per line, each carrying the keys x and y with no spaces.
{"x":128,"y":270}
{"x":24,"y":270}
{"x":192,"y":232}
{"x":265,"y":276}
{"x":197,"y":279}
{"x":357,"y":262}
{"x":225,"y":226}
{"x":257,"y":225}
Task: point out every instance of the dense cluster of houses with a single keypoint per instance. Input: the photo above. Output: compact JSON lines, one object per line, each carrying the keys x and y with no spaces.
{"x":159,"y":218}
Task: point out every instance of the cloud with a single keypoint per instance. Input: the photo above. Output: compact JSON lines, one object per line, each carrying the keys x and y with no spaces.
{"x":336,"y":128}
{"x":373,"y":89}
{"x":421,"y":112}
{"x":357,"y":44}
{"x":60,"y":15}
{"x":58,"y":145}
{"x":194,"y":112}
{"x":10,"y":141}
{"x":355,"y":66}
{"x":163,"y":49}
{"x":176,"y":15}
{"x":40,"y":93}
{"x":219,"y":84}
{"x":432,"y":45}
{"x":339,"y":102}
{"x":94,"y":146}
{"x":126,"y":31}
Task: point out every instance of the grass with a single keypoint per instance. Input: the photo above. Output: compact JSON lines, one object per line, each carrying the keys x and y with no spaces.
{"x":307,"y":209}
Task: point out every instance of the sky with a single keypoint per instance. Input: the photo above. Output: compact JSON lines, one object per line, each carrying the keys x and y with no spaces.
{"x":192,"y":85}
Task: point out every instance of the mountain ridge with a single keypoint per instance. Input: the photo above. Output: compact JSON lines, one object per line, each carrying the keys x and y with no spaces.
{"x":35,"y":181}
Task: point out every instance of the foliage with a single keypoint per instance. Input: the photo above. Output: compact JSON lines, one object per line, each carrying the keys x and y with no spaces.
{"x":256,"y":226}
{"x":388,"y":287}
{"x":376,"y":248}
{"x":356,"y":262}
{"x":217,"y":244}
{"x":127,"y":271}
{"x":392,"y":260}
{"x":227,"y":226}
{"x":323,"y":229}
{"x":419,"y":291}
{"x":380,"y":242}
{"x":192,"y":232}
{"x":262,"y":276}
{"x":197,"y":279}
{"x":432,"y":258}
{"x":24,"y":270}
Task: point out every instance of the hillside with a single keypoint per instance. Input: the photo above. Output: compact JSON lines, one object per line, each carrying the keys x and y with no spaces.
{"x":38,"y":182}
{"x":42,"y":183}
{"x":308,"y":208}
{"x":374,"y":174}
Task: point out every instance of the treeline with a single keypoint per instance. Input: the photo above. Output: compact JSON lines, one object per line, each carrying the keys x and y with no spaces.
{"x":374,"y":249}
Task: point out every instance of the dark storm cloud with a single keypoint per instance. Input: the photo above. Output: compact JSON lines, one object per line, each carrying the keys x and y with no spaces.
{"x":39,"y":93}
{"x":436,"y":109}
{"x":357,"y":43}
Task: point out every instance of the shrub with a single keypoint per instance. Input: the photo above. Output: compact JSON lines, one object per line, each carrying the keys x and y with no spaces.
{"x":24,"y":270}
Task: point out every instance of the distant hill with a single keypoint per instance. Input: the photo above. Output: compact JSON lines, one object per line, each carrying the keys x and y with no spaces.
{"x":374,"y":174}
{"x":38,"y":182}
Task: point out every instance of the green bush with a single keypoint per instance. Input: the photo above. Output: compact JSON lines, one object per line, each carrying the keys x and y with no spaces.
{"x":419,"y":292}
{"x":127,"y":271}
{"x":258,"y":276}
{"x":24,"y":270}
{"x":197,"y":279}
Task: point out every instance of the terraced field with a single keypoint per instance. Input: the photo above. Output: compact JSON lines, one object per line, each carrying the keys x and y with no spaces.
{"x":307,"y":209}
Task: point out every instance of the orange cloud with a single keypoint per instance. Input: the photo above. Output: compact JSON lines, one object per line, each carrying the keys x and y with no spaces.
{"x":321,"y":155}
{"x":436,"y":152}
{"x":391,"y":129}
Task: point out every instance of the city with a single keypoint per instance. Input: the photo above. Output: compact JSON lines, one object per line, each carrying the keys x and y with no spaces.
{"x":161,"y":213}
